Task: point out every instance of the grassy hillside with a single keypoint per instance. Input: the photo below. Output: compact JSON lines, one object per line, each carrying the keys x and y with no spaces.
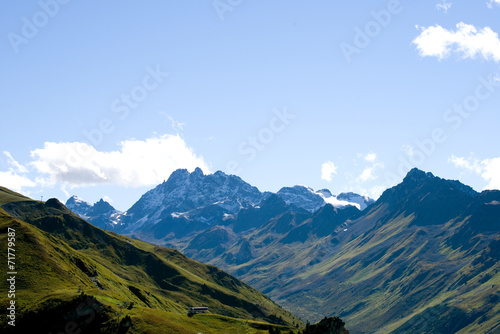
{"x":71,"y":275}
{"x":8,"y":196}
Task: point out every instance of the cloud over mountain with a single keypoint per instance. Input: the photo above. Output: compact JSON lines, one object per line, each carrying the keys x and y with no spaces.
{"x":328,"y":169}
{"x":15,"y":178}
{"x":488,"y":169}
{"x":136,"y":163}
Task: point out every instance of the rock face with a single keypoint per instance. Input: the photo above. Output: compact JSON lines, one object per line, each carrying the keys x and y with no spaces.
{"x":303,"y":197}
{"x":310,"y":200}
{"x":432,"y":200}
{"x":192,"y":196}
{"x":101,"y":214}
{"x":78,"y":206}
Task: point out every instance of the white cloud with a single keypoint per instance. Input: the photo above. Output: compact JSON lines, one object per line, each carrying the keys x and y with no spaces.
{"x":466,"y":41}
{"x":444,"y":6}
{"x":327,"y":171}
{"x":472,"y":165}
{"x":372,"y":192}
{"x":15,"y":166}
{"x":369,"y":172}
{"x":107,"y":199}
{"x":491,"y":173}
{"x":408,"y":150}
{"x":175,"y":124}
{"x":137,"y":163}
{"x":14,"y":181}
{"x":491,"y":2}
{"x":365,"y":178}
{"x":376,"y":191}
{"x":13,"y":178}
{"x":488,"y":169}
{"x":64,"y":190}
{"x":371,"y":157}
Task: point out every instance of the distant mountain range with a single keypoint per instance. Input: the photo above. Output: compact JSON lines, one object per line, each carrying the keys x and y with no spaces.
{"x":101,"y":214}
{"x":310,"y":200}
{"x":423,"y":258}
{"x":200,"y":200}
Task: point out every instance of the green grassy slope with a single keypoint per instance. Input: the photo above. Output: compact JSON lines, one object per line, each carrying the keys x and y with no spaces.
{"x":70,"y":273}
{"x":10,"y":196}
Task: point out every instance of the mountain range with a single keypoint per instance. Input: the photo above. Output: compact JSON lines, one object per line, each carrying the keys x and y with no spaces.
{"x":67,"y":276}
{"x":422,"y":258}
{"x":200,"y":201}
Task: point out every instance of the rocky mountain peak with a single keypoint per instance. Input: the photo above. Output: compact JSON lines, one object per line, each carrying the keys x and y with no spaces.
{"x":101,"y":207}
{"x":417,"y":175}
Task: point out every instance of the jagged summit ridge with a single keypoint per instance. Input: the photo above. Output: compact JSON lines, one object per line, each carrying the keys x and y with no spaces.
{"x":301,"y":196}
{"x":208,"y":199}
{"x":78,"y":206}
{"x":310,"y":200}
{"x":417,"y":179}
{"x":101,"y":214}
{"x":416,"y":174}
{"x":187,"y":194}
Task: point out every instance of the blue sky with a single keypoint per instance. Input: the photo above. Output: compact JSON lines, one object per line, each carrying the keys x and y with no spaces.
{"x":106,"y":99}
